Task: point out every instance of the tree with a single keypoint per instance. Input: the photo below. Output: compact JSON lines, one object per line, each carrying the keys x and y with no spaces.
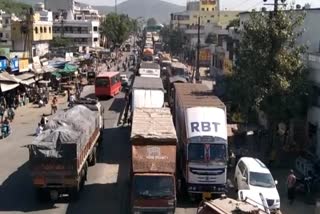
{"x":61,"y":42}
{"x":211,"y":39}
{"x":18,"y":8}
{"x":270,"y":74}
{"x":117,"y":27}
{"x":234,"y":23}
{"x":151,"y":22}
{"x":174,"y":39}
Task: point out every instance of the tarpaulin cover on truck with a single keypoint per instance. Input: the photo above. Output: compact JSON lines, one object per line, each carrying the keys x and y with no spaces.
{"x":153,"y":125}
{"x":74,"y":126}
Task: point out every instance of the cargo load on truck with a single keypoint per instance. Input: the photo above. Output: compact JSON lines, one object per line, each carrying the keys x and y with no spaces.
{"x":154,"y":141}
{"x":147,"y":92}
{"x":149,"y":69}
{"x":201,"y":124}
{"x":59,"y":156}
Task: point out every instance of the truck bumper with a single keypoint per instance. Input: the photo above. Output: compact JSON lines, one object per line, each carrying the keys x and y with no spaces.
{"x":153,"y":210}
{"x":207,"y":188}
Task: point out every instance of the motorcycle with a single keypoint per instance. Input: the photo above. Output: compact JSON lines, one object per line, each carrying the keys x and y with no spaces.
{"x":5,"y":130}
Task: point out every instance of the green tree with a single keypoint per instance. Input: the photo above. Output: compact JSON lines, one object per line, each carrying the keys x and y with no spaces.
{"x":211,"y":39}
{"x":151,"y":22}
{"x":17,"y":8}
{"x":270,"y":74}
{"x":117,"y":27}
{"x":234,"y":23}
{"x":174,"y":40}
{"x":61,"y":42}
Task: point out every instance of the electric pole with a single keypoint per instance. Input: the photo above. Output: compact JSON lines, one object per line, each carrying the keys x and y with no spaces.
{"x":198,"y":53}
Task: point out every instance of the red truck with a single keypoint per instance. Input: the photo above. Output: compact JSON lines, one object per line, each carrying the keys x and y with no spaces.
{"x":153,"y":138}
{"x":59,"y":157}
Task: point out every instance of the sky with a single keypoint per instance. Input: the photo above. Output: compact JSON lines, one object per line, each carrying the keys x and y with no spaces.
{"x":229,"y":4}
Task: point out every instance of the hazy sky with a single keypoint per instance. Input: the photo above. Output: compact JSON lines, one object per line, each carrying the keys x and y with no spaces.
{"x":229,"y":4}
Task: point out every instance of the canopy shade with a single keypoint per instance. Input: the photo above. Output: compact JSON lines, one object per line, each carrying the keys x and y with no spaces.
{"x":7,"y":86}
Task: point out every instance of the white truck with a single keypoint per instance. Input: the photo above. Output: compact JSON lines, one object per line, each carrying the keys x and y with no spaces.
{"x":149,"y":69}
{"x":201,"y":125}
{"x":147,"y":92}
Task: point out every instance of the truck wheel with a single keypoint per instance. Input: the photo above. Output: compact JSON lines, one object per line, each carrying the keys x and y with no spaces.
{"x":93,"y":159}
{"x":42,"y":195}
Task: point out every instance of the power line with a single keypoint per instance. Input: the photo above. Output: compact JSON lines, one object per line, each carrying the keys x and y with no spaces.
{"x":241,"y":3}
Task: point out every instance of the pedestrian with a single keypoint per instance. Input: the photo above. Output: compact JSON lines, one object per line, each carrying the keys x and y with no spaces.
{"x":54,"y":107}
{"x":2,"y":111}
{"x":44,"y":120}
{"x":291,"y":182}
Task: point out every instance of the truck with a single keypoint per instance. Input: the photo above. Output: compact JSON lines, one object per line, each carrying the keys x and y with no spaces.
{"x":149,"y":69}
{"x":60,"y":156}
{"x":201,"y":125}
{"x":153,"y":141}
{"x":148,"y":54}
{"x":147,"y":92}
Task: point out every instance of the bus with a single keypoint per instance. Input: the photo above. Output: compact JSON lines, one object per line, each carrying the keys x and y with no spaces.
{"x":107,"y":84}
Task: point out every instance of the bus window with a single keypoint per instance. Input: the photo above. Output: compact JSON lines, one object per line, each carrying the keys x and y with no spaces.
{"x":102,"y":82}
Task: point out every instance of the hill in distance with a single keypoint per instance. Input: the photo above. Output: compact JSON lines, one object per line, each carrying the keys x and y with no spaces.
{"x":160,"y":10}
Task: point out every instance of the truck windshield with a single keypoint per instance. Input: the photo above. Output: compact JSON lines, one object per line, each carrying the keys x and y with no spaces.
{"x":153,"y":186}
{"x":178,"y":72}
{"x":207,"y":149}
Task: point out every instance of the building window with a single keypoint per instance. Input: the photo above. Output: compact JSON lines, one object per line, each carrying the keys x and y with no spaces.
{"x":195,"y":16}
{"x":7,"y":35}
{"x":1,"y":35}
{"x":36,"y":30}
{"x":213,"y":9}
{"x":225,"y":15}
{"x":208,"y":21}
{"x":207,"y":9}
{"x":95,"y":28}
{"x":41,"y":30}
{"x":212,"y":16}
{"x":45,"y":29}
{"x":202,"y":9}
{"x":95,"y":39}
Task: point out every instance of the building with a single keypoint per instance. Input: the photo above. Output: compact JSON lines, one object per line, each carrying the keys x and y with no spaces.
{"x":5,"y":28}
{"x":211,"y":19}
{"x":33,"y":34}
{"x":72,"y":21}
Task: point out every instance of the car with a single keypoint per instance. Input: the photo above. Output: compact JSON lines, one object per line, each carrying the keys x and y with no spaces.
{"x":254,"y":177}
{"x":124,"y":79}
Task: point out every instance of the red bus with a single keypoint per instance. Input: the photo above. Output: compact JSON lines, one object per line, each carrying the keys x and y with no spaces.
{"x":107,"y":84}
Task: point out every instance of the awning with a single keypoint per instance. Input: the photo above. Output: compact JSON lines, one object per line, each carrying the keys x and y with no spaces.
{"x":5,"y":76}
{"x":25,"y":76}
{"x":7,"y":86}
{"x":28,"y":81}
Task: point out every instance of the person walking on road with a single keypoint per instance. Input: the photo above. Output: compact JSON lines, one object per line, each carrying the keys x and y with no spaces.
{"x":291,"y":182}
{"x":54,"y":106}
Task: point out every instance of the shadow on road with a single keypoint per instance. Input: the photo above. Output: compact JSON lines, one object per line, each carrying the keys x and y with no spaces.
{"x":109,"y":197}
{"x":17,"y":193}
{"x":117,"y":105}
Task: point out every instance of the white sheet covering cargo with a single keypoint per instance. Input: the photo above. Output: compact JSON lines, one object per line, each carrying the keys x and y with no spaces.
{"x":147,"y":92}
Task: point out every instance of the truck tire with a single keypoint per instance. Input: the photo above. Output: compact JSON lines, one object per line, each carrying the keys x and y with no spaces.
{"x":42,"y":195}
{"x":93,"y":159}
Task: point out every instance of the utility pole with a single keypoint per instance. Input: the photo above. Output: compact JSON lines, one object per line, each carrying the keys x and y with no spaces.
{"x":198,"y":53}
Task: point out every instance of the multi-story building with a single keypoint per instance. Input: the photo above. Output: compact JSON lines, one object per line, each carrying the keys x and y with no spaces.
{"x":211,"y":19}
{"x":5,"y":28}
{"x":80,"y":25}
{"x":34,"y":33}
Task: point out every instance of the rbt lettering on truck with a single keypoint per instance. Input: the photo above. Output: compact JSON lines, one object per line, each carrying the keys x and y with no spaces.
{"x":207,"y":150}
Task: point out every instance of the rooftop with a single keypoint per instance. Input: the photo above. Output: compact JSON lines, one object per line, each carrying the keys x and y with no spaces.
{"x":153,"y":123}
{"x":147,"y":83}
